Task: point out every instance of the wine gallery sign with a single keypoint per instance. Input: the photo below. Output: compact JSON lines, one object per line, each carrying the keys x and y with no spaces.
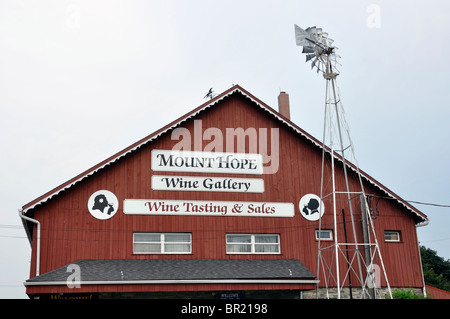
{"x":207,"y":184}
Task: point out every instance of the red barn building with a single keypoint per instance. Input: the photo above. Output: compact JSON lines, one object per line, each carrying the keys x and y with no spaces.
{"x":205,"y":207}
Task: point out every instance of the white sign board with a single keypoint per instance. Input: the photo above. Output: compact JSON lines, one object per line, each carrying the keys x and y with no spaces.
{"x":207,"y":184}
{"x":207,"y":208}
{"x":206,"y":162}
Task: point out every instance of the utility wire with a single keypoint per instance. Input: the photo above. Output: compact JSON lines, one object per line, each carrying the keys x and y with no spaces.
{"x":429,"y":204}
{"x":412,"y":201}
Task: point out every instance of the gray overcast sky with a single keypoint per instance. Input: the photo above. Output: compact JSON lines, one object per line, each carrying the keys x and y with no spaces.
{"x":81,"y":80}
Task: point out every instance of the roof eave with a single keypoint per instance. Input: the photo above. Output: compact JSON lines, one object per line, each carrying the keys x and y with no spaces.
{"x":175,"y":281}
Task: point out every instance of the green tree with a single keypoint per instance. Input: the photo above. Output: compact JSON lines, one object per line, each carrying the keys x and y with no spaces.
{"x":436,"y":270}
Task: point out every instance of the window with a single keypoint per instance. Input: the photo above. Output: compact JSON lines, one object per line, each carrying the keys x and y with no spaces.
{"x":162,"y":243}
{"x":392,"y":235}
{"x":253,"y":244}
{"x":324,"y":234}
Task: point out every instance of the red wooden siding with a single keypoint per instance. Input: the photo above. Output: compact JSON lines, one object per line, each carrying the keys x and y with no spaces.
{"x":167,"y":287}
{"x":70,"y":233}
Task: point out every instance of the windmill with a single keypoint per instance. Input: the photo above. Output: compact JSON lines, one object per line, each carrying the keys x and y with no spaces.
{"x":340,"y":261}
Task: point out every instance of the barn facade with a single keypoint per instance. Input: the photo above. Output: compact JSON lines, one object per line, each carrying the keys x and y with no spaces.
{"x":206,"y":207}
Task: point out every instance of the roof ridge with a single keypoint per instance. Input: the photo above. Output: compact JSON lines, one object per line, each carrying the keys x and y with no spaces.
{"x":234,"y":89}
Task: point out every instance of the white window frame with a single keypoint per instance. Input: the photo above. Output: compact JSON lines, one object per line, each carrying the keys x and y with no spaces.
{"x":392,"y":232}
{"x":162,"y":242}
{"x":253,"y":244}
{"x":330,"y":231}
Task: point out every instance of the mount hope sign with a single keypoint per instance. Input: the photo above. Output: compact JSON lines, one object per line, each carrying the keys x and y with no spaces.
{"x":206,"y":162}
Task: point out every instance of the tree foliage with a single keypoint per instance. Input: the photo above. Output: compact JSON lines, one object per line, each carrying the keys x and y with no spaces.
{"x":406,"y":294}
{"x":436,"y":270}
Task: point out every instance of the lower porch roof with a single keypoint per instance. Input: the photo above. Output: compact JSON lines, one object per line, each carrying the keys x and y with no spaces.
{"x":176,"y":271}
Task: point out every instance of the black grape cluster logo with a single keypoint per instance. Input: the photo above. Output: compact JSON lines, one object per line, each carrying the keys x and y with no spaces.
{"x":103,"y":204}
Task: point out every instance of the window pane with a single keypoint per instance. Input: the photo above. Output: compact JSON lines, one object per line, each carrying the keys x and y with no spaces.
{"x":239,"y":238}
{"x":392,"y":236}
{"x":267,"y":248}
{"x":177,"y":248}
{"x":147,"y":248}
{"x":266,"y":238}
{"x":236,"y":248}
{"x":253,"y":243}
{"x":151,"y":243}
{"x":139,"y":238}
{"x":177,"y":238}
{"x":324,"y":234}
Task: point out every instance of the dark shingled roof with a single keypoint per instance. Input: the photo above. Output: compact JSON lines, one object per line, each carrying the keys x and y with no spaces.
{"x":180,"y":269}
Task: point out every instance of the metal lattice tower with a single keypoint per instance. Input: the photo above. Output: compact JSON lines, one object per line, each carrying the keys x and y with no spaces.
{"x":357,"y":256}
